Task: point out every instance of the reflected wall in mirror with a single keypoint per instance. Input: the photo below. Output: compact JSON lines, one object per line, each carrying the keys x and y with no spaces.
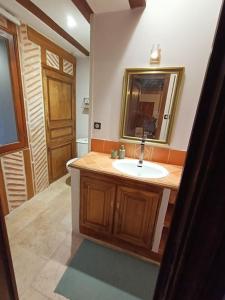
{"x":149,"y":101}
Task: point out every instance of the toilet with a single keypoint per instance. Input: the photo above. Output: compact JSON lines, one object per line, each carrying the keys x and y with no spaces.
{"x":82,"y":149}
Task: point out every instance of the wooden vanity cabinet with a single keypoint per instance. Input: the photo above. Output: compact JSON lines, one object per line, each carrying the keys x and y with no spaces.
{"x":119,"y":211}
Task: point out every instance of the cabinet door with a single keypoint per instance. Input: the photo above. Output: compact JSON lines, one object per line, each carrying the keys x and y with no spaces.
{"x":136,"y":214}
{"x":97,"y":205}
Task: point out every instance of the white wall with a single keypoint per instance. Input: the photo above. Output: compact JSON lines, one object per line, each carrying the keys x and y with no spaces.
{"x":82,"y":91}
{"x":183,"y":28}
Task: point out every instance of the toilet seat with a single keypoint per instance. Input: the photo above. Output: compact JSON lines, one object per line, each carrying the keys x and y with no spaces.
{"x":70,"y":162}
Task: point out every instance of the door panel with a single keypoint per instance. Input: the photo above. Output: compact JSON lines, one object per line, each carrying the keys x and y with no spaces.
{"x":58,"y":157}
{"x":60,"y":121}
{"x":97,"y":204}
{"x":136,"y":213}
{"x":60,"y":105}
{"x":60,"y":132}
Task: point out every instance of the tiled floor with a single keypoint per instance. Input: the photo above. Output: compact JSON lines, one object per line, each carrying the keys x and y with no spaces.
{"x":41,"y":241}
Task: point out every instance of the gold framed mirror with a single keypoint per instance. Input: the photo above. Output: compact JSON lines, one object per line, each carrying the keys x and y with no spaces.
{"x":149,"y":101}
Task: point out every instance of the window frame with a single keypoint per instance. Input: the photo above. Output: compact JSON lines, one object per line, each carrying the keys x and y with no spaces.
{"x":10,"y":35}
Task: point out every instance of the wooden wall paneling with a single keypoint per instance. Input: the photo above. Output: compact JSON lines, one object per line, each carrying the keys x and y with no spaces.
{"x":34,"y":9}
{"x":14,"y":178}
{"x":29,"y":173}
{"x":34,"y":103}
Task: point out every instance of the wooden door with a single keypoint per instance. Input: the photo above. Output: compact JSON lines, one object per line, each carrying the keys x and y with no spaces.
{"x":136,"y":214}
{"x":97,"y":205}
{"x":59,"y":96}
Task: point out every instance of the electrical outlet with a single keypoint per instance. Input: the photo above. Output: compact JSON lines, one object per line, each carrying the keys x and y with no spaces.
{"x":97,"y":125}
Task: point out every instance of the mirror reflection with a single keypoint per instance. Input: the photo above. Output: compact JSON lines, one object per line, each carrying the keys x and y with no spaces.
{"x":149,"y":103}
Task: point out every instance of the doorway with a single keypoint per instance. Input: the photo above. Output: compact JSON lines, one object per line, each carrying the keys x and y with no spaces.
{"x":59,"y":101}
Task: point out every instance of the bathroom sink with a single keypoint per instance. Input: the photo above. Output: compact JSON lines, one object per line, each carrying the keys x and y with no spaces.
{"x":148,"y":169}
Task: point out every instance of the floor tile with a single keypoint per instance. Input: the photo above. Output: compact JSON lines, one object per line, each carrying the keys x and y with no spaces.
{"x":32,"y":294}
{"x":27,"y":266}
{"x":48,"y":279}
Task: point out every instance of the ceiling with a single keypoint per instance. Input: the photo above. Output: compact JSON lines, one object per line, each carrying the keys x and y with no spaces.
{"x":59,"y":11}
{"x":64,"y":7}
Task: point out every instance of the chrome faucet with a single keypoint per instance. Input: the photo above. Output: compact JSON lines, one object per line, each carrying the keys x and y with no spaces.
{"x":141,"y":158}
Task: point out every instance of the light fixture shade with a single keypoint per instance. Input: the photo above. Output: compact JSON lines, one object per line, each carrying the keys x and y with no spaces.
{"x":155,"y":56}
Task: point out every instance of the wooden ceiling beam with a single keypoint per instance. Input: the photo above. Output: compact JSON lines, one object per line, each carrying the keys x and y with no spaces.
{"x":35,"y":10}
{"x":84,"y":8}
{"x":137,"y":3}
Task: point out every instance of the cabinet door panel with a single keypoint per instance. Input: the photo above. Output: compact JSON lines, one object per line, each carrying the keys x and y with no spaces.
{"x":97,"y":204}
{"x":136,"y":214}
{"x":57,"y":158}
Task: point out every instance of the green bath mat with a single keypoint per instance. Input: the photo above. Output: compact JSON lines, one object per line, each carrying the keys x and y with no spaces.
{"x":100,"y":273}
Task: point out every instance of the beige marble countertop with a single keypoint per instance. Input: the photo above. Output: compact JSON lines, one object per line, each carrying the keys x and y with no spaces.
{"x":102,"y":163}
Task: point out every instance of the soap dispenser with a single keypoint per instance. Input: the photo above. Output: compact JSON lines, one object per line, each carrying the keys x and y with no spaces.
{"x":122,"y":152}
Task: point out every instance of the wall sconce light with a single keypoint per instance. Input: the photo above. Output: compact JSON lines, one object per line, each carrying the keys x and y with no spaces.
{"x":155,"y":56}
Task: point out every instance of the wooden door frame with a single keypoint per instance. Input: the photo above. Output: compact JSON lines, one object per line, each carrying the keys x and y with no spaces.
{"x":193,"y":265}
{"x":194,"y":262}
{"x":162,"y":106}
{"x":10,"y":36}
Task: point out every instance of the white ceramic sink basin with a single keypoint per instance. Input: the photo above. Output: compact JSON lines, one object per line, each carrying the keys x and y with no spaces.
{"x":148,"y":169}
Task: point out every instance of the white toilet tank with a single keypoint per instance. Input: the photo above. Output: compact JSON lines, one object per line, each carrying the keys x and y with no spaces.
{"x":82,"y":147}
